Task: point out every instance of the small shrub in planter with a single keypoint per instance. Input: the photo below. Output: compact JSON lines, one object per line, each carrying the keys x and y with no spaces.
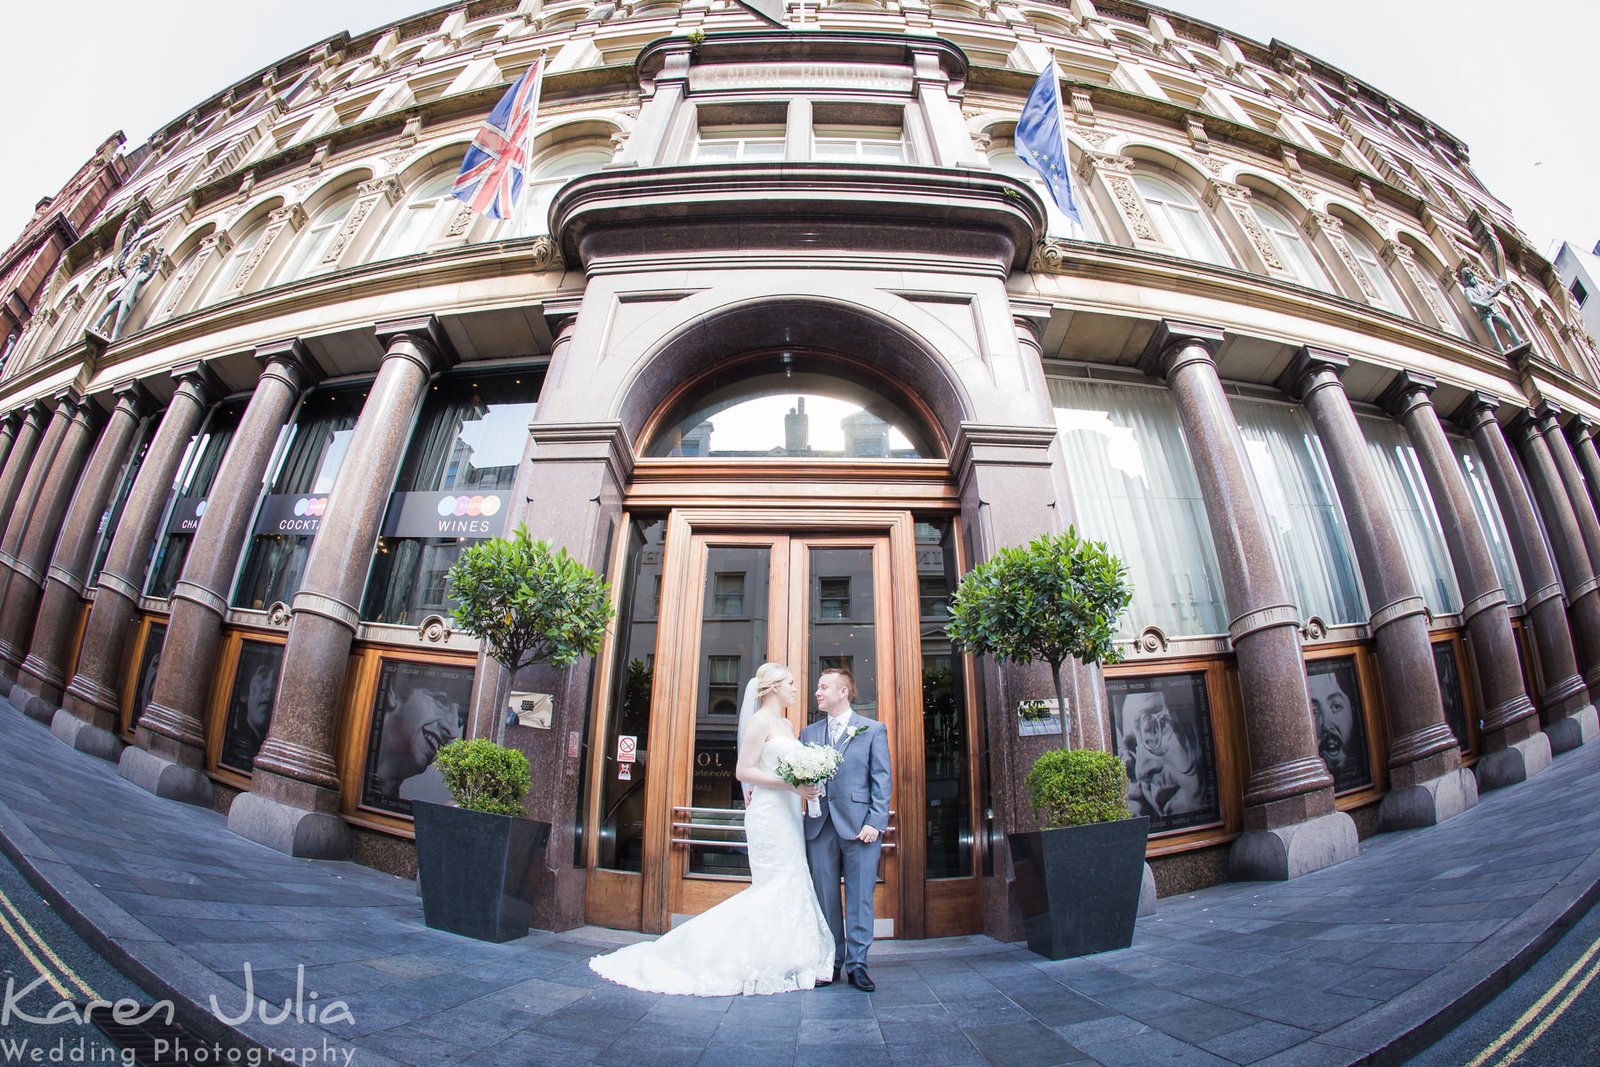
{"x":484,"y":776}
{"x":1055,"y":599}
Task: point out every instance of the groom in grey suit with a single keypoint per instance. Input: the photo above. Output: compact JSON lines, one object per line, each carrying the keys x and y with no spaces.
{"x":846,"y":838}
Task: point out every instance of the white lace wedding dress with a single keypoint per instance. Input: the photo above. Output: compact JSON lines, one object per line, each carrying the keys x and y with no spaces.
{"x":770,"y":938}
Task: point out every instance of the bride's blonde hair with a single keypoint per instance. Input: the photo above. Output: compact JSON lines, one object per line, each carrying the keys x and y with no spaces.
{"x":769,"y":676}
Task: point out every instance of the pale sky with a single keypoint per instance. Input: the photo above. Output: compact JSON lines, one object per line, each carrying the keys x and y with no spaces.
{"x":1514,"y":82}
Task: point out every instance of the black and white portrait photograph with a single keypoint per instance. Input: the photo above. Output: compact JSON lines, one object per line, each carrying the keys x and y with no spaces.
{"x":255,"y":685}
{"x":1455,"y":701}
{"x":420,"y":708}
{"x":1163,"y":734}
{"x":1341,"y":724}
{"x":149,"y":666}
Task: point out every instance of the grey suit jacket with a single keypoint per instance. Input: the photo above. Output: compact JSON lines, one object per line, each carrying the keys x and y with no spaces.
{"x":859,"y":794}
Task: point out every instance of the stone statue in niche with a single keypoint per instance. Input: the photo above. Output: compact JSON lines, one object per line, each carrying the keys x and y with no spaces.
{"x":1483,"y":298}
{"x":126,"y":295}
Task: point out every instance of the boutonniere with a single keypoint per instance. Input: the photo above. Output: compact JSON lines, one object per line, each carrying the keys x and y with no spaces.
{"x":854,"y":732}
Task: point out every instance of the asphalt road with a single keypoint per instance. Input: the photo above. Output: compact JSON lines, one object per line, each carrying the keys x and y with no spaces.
{"x":45,"y":970}
{"x":1550,"y":1017}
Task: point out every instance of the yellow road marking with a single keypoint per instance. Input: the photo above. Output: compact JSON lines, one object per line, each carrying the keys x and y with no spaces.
{"x":1537,"y":1007}
{"x":38,"y":964}
{"x":1560,"y":1009}
{"x":33,"y":935}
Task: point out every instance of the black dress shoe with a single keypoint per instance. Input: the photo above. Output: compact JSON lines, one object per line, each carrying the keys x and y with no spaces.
{"x":862,"y":980}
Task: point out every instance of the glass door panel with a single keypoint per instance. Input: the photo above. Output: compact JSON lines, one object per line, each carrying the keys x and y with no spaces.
{"x":843,"y":626}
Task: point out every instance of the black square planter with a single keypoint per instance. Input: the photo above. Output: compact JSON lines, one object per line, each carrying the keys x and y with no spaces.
{"x":1078,"y":886}
{"x":476,"y":870}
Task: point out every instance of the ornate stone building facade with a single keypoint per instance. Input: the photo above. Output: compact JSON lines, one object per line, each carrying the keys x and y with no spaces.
{"x":784,"y":340}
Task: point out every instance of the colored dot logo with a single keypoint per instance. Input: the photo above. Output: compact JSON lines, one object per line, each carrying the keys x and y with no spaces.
{"x":311,"y":507}
{"x":474,"y":506}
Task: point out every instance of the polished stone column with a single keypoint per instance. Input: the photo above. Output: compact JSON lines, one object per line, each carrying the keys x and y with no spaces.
{"x":293,"y":805}
{"x":1290,"y":824}
{"x":20,"y":609}
{"x":26,"y":497}
{"x":1548,"y":416}
{"x":1562,"y":693}
{"x":1577,"y":575}
{"x":168,"y":754}
{"x":90,"y":707}
{"x":19,"y":459}
{"x":1510,"y":723}
{"x":1427,"y":783}
{"x":43,"y":671}
{"x":9,"y":423}
{"x":1583,"y":431}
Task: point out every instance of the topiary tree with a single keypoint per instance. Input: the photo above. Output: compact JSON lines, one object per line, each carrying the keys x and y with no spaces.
{"x":1075,"y":788}
{"x":1054,"y":599}
{"x":529,"y":604}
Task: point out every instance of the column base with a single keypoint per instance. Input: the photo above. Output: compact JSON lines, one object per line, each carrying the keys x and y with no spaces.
{"x":164,"y":778}
{"x":86,"y":736}
{"x":1147,"y":893}
{"x":1428,"y":803}
{"x":1573,"y":731}
{"x":294,"y":831}
{"x":29,"y":703}
{"x":1515,"y":763}
{"x":1285,"y":852}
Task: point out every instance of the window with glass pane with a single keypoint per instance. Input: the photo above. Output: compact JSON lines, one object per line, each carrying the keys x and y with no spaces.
{"x":729,"y":594}
{"x":314,"y":237}
{"x":471,"y":435}
{"x":1291,"y":247}
{"x":1133,"y":486}
{"x":1406,"y":496}
{"x":739,"y":144}
{"x":533,"y":216}
{"x":1009,"y":163}
{"x":113,"y":513}
{"x":196,"y":474}
{"x":1487,"y":507}
{"x":723,"y":696}
{"x":858,"y":144}
{"x":1376,"y":273}
{"x":944,"y":710}
{"x":308,"y":463}
{"x":835,"y":593}
{"x":1181,"y":221}
{"x":229,"y":271}
{"x":1305,"y":520}
{"x":1452,"y":319}
{"x":753,"y":411}
{"x":621,"y":822}
{"x":422,"y":219}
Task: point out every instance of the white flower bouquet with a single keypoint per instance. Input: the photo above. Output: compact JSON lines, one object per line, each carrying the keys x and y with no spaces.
{"x":810,"y":765}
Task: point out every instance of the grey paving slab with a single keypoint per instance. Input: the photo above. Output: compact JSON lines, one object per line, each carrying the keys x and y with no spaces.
{"x":1358,"y":963}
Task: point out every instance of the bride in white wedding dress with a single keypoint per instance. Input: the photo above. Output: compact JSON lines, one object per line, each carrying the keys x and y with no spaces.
{"x":770,"y":938}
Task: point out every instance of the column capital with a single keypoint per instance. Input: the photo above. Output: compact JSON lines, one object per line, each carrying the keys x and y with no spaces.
{"x":1307,"y":362}
{"x":1546,"y":410}
{"x":1475,"y":407}
{"x":1584,"y":426}
{"x":1524,"y":427}
{"x":1172,"y":337}
{"x":202,"y":380}
{"x":1408,"y":390}
{"x":291,"y":353}
{"x":422,"y":331}
{"x":136,"y":396}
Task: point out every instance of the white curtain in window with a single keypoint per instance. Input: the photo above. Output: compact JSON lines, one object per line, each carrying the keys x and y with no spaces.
{"x":533,"y":217}
{"x":1306,"y":521}
{"x":1181,"y":221}
{"x":1489,"y":517}
{"x":314,"y":238}
{"x":1406,"y":496}
{"x":1291,"y":246}
{"x":1376,"y":272}
{"x":423,"y":218}
{"x":1133,"y":486}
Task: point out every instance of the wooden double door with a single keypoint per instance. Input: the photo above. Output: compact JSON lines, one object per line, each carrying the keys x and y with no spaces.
{"x":839,"y":591}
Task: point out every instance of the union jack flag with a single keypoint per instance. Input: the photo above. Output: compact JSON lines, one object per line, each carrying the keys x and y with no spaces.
{"x":494,"y":172}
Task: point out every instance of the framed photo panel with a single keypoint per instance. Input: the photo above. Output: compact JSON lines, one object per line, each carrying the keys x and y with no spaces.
{"x":1340,"y":721}
{"x":420,"y":708}
{"x":1455,"y":701}
{"x":255,"y":685}
{"x":1162,"y":731}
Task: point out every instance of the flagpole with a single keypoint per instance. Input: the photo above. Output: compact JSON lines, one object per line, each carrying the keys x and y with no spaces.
{"x":1066,"y":146}
{"x":519,"y":214}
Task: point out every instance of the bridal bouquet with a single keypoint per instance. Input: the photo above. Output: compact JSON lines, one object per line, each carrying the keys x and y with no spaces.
{"x":811,"y":765}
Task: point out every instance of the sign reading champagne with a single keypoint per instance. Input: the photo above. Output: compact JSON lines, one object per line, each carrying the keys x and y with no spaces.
{"x":467,"y":515}
{"x":185,"y":514}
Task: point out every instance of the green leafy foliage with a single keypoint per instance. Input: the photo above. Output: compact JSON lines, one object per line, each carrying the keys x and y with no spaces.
{"x":528,"y":604}
{"x":1058,"y":597}
{"x":484,"y":776}
{"x":1075,"y":787}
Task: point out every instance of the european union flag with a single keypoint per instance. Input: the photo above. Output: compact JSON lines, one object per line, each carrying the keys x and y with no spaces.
{"x":1042,"y":143}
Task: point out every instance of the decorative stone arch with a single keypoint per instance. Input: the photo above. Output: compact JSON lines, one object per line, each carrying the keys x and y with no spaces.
{"x":316,"y":223}
{"x":250,"y":237}
{"x":385,"y":199}
{"x":1161,"y":163}
{"x":1332,"y":229}
{"x":180,"y":268}
{"x":1280,"y":247}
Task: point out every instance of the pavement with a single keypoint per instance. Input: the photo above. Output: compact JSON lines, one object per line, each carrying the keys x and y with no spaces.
{"x":1365,"y":962}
